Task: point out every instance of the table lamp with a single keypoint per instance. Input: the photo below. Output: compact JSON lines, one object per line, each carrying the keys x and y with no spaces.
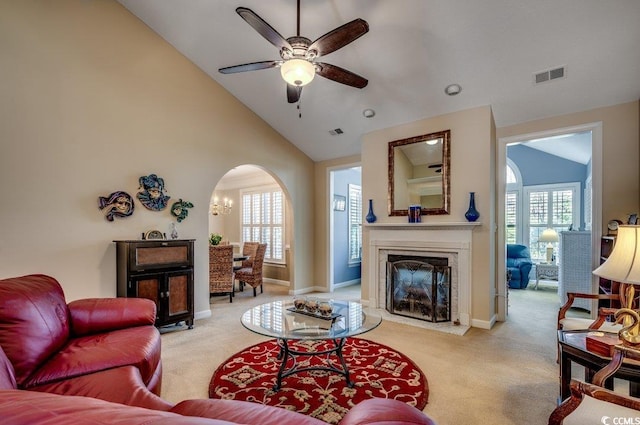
{"x":550,"y":236}
{"x":623,"y":265}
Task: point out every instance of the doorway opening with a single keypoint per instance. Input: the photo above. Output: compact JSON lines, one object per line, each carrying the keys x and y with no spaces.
{"x":551,"y":182}
{"x":345,"y":226}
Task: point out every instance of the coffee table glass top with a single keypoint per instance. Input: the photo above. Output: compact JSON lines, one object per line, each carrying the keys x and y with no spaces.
{"x":275,"y":320}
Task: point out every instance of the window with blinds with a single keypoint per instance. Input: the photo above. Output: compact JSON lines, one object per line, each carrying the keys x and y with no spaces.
{"x":554,"y":206}
{"x":511,"y":217}
{"x":588,"y":195}
{"x":513,"y":205}
{"x":355,"y":223}
{"x":263,"y":221}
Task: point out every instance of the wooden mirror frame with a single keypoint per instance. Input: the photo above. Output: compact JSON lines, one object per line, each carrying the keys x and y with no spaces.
{"x":446,"y":177}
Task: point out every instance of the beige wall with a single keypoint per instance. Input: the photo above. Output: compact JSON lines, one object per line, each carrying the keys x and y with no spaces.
{"x":620,"y":153}
{"x":472,"y":147}
{"x":92,"y":99}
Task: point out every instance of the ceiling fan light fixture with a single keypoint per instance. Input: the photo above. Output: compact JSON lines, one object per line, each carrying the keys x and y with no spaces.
{"x":297,"y":72}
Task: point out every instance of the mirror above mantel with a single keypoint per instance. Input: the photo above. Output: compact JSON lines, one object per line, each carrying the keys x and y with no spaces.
{"x":419,"y":174}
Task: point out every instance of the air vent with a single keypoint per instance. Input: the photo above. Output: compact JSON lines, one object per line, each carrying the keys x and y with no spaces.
{"x":550,"y":74}
{"x":336,"y":132}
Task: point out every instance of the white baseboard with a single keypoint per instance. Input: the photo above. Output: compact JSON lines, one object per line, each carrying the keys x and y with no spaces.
{"x":484,"y":324}
{"x":307,"y":290}
{"x":276,"y":281}
{"x":347,"y":283}
{"x":205,"y":314}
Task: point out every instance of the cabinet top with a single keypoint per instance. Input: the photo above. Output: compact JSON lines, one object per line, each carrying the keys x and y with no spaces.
{"x":153,"y":240}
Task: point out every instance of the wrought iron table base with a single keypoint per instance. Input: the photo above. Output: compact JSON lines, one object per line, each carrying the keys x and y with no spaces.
{"x":287,"y":353}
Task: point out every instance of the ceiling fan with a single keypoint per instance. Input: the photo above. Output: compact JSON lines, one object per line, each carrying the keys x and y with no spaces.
{"x":298,"y":65}
{"x":438,"y":167}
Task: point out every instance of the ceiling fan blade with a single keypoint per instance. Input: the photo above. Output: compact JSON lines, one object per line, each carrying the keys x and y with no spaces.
{"x":340,"y":37}
{"x":264,"y":28}
{"x":340,"y":75}
{"x":254,"y":66}
{"x":293,"y":93}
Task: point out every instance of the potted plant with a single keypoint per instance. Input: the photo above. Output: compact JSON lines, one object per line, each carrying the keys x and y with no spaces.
{"x":215,"y":238}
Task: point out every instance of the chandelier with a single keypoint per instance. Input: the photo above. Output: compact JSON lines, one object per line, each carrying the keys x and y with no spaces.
{"x":224,"y":208}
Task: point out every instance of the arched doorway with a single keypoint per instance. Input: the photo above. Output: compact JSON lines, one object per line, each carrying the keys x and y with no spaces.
{"x":249,"y":204}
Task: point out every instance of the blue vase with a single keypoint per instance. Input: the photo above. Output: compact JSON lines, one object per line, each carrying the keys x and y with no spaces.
{"x":472,"y":213}
{"x":371,"y":217}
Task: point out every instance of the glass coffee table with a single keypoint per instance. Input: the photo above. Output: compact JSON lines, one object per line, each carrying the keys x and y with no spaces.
{"x":281,"y":321}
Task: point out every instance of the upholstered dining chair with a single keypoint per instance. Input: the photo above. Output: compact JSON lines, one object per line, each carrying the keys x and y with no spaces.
{"x":252,"y":275}
{"x":221,"y":276}
{"x":249,"y":250}
{"x":601,"y":323}
{"x":569,"y":323}
{"x":590,"y":403}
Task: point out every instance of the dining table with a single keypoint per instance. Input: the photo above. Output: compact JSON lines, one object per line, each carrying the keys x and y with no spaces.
{"x":239,"y":259}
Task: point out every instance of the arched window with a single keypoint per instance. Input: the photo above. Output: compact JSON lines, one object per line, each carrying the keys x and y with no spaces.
{"x":511,"y":176}
{"x":513,"y":204}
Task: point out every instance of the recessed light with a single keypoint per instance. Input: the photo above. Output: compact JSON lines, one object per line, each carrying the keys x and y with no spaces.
{"x":453,"y":89}
{"x":369,"y":113}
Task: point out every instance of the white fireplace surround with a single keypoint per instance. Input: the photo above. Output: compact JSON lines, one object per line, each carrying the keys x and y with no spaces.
{"x":449,"y":240}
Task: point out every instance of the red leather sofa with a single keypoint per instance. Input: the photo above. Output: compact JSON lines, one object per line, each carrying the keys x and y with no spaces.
{"x":98,"y":361}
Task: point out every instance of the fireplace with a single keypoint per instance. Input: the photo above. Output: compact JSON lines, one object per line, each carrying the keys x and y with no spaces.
{"x":448,"y":242}
{"x":419,"y":287}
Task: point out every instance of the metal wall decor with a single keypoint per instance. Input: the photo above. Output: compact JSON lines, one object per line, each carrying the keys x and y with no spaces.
{"x":152,"y":195}
{"x":179,"y":209}
{"x":118,"y":204}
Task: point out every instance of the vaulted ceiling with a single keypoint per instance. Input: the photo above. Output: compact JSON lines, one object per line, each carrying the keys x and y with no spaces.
{"x":413,"y":50}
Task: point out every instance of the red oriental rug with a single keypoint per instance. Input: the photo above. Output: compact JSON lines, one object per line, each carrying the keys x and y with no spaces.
{"x":374,"y":369}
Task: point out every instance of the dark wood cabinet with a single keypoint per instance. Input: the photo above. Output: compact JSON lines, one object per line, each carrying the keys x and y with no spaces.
{"x":162,"y":271}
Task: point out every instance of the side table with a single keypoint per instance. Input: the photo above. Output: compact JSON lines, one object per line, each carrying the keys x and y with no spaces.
{"x":547,"y":271}
{"x":573,"y":348}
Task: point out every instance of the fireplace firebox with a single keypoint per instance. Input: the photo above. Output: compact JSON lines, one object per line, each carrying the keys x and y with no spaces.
{"x":419,"y":287}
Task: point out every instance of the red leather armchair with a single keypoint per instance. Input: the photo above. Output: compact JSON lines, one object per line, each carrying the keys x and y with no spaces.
{"x":108,"y":352}
{"x":52,"y":345}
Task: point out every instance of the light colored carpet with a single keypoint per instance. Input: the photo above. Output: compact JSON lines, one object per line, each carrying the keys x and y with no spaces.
{"x":506,"y":375}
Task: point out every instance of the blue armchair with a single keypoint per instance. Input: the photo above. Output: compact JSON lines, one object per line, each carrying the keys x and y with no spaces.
{"x":518,"y":265}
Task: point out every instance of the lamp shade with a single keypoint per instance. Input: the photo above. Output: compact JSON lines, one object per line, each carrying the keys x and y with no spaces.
{"x":549,"y":235}
{"x":297,"y":72}
{"x":623,"y":265}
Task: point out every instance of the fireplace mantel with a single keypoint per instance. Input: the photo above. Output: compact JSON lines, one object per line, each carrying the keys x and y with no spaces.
{"x":423,"y":226}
